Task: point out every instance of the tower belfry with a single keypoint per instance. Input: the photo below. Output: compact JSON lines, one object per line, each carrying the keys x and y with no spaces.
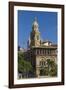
{"x":35,"y":34}
{"x":35,"y":25}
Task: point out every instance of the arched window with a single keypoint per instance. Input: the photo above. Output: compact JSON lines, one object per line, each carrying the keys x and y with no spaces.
{"x":37,"y":37}
{"x":42,"y":63}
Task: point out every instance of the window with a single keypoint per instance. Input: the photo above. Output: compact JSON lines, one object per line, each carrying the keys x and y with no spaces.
{"x":37,"y":52}
{"x":40,"y":51}
{"x":37,"y":37}
{"x":42,"y":63}
{"x":43,"y":52}
{"x":48,"y":51}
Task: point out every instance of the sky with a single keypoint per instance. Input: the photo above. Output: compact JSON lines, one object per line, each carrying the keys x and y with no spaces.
{"x":47,"y":26}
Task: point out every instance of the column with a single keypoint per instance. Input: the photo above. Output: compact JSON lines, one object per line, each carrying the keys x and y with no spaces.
{"x":37,"y":72}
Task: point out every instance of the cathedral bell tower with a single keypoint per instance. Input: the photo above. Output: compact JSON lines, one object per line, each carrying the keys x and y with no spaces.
{"x":35,"y":34}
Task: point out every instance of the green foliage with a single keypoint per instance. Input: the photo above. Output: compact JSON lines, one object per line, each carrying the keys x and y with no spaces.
{"x":50,"y":70}
{"x":44,"y":71}
{"x":53,"y":71}
{"x":23,"y":65}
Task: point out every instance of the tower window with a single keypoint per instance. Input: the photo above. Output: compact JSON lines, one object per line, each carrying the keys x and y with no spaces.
{"x":37,"y":37}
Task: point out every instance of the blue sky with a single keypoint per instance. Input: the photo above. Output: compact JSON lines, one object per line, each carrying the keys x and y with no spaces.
{"x":47,"y":26}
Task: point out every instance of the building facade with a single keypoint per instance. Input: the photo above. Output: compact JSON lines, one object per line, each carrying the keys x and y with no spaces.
{"x":40,"y":52}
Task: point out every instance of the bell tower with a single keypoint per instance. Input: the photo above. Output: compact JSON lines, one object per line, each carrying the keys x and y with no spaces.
{"x":35,"y":34}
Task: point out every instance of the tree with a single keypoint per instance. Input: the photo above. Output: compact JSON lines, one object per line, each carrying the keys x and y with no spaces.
{"x":52,"y":68}
{"x":44,"y":71}
{"x":23,"y":65}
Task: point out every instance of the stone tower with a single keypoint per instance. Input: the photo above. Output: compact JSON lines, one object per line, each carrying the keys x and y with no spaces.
{"x":35,"y":34}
